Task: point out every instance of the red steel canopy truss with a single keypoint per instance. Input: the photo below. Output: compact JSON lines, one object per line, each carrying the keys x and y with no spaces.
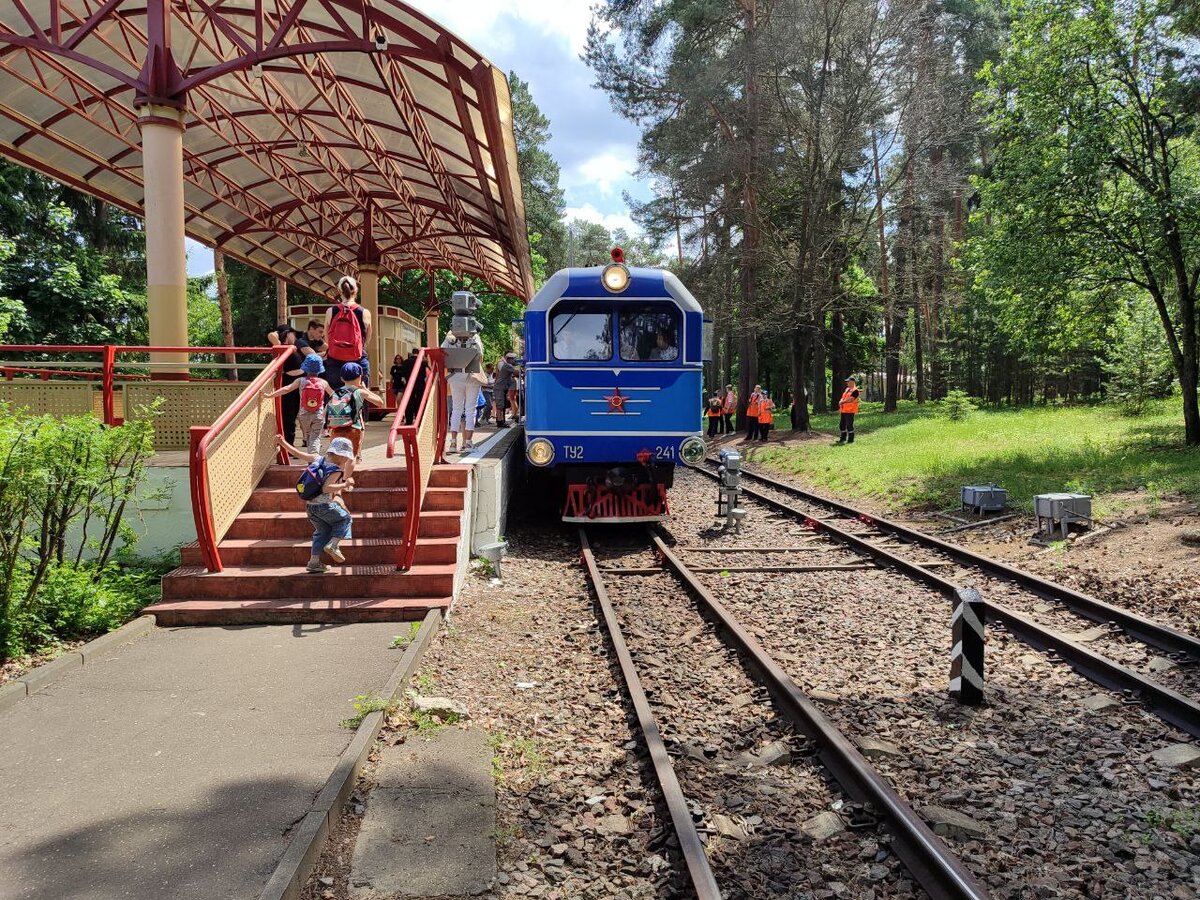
{"x":320,"y":134}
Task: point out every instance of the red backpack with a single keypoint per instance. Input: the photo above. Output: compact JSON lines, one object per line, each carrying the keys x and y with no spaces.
{"x":312,"y":394}
{"x":345,"y":335}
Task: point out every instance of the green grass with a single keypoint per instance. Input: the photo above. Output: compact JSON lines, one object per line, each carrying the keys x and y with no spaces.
{"x":918,"y":458}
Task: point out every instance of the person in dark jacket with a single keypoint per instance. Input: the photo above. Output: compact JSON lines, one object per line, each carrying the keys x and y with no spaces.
{"x":402,"y":377}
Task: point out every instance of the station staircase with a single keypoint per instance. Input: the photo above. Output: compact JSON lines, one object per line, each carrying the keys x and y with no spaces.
{"x":264,"y":551}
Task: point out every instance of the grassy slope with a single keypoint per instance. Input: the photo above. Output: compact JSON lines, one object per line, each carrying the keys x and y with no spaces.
{"x":916,"y":457}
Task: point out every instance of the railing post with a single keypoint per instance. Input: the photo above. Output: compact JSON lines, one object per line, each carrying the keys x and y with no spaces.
{"x":281,"y":455}
{"x":108,"y":377}
{"x":201,"y":509}
{"x":443,"y":413}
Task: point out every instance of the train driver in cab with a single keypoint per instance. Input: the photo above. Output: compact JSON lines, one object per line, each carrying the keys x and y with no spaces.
{"x":663,"y":348}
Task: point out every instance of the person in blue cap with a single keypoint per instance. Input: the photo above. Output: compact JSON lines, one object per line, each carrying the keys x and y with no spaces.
{"x":310,"y":421}
{"x":346,"y":411}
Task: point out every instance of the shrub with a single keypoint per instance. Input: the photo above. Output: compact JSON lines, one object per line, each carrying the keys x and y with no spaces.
{"x":957,"y":405}
{"x":56,"y":473}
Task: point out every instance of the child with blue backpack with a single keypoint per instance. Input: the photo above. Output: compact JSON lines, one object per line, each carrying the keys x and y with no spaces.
{"x":320,"y":486}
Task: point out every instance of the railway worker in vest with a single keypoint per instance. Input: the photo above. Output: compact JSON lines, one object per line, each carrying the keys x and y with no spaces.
{"x":312,"y":390}
{"x":728,"y":408}
{"x":848,"y":406}
{"x":766,"y":416}
{"x":752,"y":413}
{"x":348,"y":333}
{"x":712,"y":411}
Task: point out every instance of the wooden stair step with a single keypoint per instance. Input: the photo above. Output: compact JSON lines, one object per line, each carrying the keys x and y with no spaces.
{"x":359,"y":500}
{"x":364,"y":477}
{"x":286,"y":612}
{"x":294,"y":524}
{"x":449,"y":475}
{"x":284,"y":552}
{"x":292,"y":582}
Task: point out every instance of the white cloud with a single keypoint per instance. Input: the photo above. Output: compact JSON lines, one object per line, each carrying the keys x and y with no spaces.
{"x":604,"y":172}
{"x":611,"y":221}
{"x":476,"y":21}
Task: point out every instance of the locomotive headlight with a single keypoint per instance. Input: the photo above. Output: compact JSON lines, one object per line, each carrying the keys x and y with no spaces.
{"x":692,"y":451}
{"x":540,"y":452}
{"x":615,"y":278}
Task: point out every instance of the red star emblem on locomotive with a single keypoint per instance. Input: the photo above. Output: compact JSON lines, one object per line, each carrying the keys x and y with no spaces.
{"x":616,"y":403}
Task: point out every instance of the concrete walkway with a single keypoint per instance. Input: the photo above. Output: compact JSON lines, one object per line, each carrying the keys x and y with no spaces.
{"x":177,"y":767}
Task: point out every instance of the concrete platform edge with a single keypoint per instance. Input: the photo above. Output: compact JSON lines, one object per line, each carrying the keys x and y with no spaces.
{"x":36,"y":679}
{"x":290,"y":875}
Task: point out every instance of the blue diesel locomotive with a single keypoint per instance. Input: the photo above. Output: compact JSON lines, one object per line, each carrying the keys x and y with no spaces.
{"x":614,"y":361}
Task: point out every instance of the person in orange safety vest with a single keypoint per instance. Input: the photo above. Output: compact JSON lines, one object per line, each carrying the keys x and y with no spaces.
{"x":848,"y":406}
{"x":752,"y":412}
{"x":713,"y":411}
{"x":766,"y":416}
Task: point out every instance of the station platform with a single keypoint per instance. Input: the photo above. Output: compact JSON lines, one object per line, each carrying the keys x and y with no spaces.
{"x":180,"y":764}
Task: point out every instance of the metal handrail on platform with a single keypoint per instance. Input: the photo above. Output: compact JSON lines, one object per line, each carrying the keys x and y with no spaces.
{"x":106,"y":366}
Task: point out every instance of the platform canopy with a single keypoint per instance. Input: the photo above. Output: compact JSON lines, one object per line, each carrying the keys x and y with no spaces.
{"x":319,"y":136}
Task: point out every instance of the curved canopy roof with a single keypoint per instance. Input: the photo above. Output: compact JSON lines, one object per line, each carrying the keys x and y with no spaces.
{"x":319,"y":133}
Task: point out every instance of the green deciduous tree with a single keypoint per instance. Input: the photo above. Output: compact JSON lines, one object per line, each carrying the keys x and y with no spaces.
{"x":1095,"y":186}
{"x":539,"y":173}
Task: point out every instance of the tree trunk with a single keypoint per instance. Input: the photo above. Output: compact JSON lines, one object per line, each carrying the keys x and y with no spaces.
{"x":934,"y":326}
{"x":281,"y":300}
{"x":818,"y":353}
{"x":839,"y":365}
{"x":747,"y":369}
{"x":900,"y":294}
{"x":918,"y":353}
{"x":751,"y":231}
{"x":801,"y":339}
{"x":226,"y":311}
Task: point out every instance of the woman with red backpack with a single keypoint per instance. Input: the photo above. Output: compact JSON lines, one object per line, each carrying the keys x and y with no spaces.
{"x":347,"y":334}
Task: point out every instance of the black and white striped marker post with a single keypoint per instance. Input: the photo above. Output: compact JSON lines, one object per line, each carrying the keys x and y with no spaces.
{"x":966,"y":659}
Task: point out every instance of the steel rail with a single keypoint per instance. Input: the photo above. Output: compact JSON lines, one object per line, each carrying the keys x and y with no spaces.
{"x":923,"y":853}
{"x":1169,"y":705}
{"x":1138,"y":627}
{"x":699,"y":870}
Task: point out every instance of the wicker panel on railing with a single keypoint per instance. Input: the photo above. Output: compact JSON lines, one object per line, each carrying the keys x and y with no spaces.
{"x":237,"y":459}
{"x":427,"y":446}
{"x":48,"y":398}
{"x":186,"y":403}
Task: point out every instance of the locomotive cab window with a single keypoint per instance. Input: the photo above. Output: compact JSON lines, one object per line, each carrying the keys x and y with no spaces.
{"x":581,"y":332}
{"x":650,"y":332}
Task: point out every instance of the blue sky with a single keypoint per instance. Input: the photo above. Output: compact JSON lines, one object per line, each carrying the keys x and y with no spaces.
{"x":541,"y":41}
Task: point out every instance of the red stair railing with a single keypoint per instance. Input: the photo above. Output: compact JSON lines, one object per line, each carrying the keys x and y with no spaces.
{"x":422,"y":441}
{"x":236,"y":446}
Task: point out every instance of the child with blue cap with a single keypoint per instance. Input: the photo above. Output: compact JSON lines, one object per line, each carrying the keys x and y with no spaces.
{"x":346,"y":412}
{"x":310,"y":421}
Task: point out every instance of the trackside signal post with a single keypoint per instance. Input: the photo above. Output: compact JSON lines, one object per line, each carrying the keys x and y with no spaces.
{"x":966,"y":656}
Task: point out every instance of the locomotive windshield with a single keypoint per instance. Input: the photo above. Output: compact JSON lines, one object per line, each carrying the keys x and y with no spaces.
{"x":650,"y":332}
{"x":582,"y":332}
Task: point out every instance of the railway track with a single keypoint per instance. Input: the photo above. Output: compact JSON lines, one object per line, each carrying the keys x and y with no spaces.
{"x":716,"y":712}
{"x":1015,"y":600}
